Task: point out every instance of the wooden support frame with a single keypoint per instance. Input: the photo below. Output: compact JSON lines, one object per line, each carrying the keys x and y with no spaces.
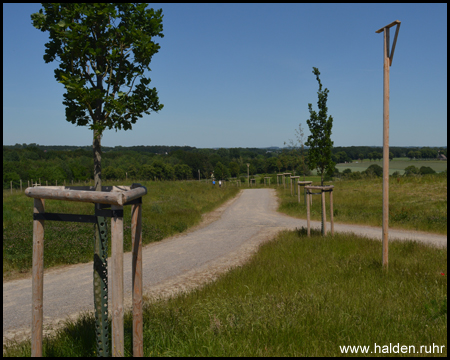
{"x":300,"y":184}
{"x":117,"y":198}
{"x":323,"y":190}
{"x":284,"y":178}
{"x":277,"y":178}
{"x":266,"y":177}
{"x":293,"y":177}
{"x":252,"y":181}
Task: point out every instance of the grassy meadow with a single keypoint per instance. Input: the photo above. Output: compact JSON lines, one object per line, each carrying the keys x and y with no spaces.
{"x":169,"y":207}
{"x":415,"y":202}
{"x":297,"y":296}
{"x":396,"y":164}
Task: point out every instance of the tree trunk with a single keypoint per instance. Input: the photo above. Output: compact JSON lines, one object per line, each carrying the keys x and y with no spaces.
{"x":98,"y":134}
{"x":101,"y":240}
{"x":96,"y":145}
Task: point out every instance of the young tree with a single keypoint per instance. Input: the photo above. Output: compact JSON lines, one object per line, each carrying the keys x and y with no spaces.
{"x":319,"y":141}
{"x":102,"y":48}
{"x":279,"y":164}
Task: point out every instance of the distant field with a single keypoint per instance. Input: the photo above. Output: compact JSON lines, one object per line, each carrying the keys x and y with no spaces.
{"x":397,"y":164}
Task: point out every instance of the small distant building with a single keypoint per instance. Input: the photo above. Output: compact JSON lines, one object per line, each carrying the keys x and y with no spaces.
{"x":442,"y":157}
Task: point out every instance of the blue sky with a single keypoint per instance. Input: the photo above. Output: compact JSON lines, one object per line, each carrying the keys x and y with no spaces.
{"x":240,"y":75}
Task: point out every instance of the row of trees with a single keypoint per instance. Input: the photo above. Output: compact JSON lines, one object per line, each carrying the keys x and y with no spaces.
{"x":425,"y":153}
{"x":375,"y":170}
{"x":34,"y":162}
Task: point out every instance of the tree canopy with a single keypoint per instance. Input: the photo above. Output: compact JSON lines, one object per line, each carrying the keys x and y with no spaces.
{"x":102,"y":49}
{"x":97,"y":43}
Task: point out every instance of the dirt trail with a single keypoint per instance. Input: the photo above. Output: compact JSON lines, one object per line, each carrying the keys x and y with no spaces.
{"x":227,"y":237}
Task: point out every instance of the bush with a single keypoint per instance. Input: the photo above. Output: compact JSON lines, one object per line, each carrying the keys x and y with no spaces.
{"x":424,"y":170}
{"x":355,"y":175}
{"x":374,"y":170}
{"x":411,"y":170}
{"x":347,"y":171}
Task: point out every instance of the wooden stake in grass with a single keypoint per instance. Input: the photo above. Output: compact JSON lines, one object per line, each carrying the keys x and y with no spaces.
{"x":37,"y":283}
{"x":136,"y":244}
{"x":388,"y":56}
{"x":303,"y":183}
{"x":117,"y":310}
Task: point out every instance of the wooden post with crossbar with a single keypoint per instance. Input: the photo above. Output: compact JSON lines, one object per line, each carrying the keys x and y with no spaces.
{"x":388,"y":55}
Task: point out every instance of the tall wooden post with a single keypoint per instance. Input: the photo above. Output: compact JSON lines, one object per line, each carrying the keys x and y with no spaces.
{"x":37,"y":282}
{"x":117,"y":283}
{"x":387,"y":62}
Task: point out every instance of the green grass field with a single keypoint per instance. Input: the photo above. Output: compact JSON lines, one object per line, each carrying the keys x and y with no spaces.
{"x":169,"y":207}
{"x":397,"y":164}
{"x":297,"y":296}
{"x":415,"y":203}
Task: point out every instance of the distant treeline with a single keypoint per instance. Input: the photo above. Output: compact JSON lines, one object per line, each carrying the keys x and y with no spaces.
{"x":59,"y":163}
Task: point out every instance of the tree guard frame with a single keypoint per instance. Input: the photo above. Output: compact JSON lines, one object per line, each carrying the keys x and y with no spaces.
{"x":277,"y":178}
{"x":293,"y":182}
{"x":303,"y":183}
{"x":116,"y":197}
{"x":284,"y":179}
{"x":323,"y":190}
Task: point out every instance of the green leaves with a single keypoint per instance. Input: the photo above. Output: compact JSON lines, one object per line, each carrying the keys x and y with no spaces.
{"x":106,"y":87}
{"x":319,"y":141}
{"x":38,"y":19}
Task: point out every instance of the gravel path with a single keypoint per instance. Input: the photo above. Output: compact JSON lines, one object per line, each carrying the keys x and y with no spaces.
{"x":227,"y":237}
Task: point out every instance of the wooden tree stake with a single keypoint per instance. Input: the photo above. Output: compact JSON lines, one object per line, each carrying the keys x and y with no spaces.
{"x":37,"y":283}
